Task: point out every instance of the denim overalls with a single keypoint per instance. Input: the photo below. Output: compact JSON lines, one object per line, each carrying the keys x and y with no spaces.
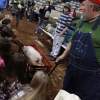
{"x":83,"y":73}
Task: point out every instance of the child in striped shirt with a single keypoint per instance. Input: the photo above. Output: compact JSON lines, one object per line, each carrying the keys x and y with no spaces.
{"x":60,"y":32}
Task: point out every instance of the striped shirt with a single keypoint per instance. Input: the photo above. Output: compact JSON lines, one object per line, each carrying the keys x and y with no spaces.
{"x":64,"y":21}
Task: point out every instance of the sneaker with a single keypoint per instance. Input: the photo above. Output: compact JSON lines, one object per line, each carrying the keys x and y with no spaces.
{"x":35,"y":31}
{"x":41,"y":33}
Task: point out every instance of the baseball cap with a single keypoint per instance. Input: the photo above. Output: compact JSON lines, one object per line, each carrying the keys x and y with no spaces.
{"x":94,"y":1}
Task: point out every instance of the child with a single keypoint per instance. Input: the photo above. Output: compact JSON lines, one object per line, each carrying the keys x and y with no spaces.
{"x":12,"y":76}
{"x":7,"y":22}
{"x":4,"y":51}
{"x":37,"y":90}
{"x":64,"y":23}
{"x":2,"y":64}
{"x":5,"y":19}
{"x":7,"y":33}
{"x":73,"y":13}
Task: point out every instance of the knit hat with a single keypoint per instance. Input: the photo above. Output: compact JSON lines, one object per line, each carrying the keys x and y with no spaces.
{"x":68,"y":6}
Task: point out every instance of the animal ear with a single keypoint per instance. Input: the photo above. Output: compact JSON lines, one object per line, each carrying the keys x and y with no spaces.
{"x":37,"y":60}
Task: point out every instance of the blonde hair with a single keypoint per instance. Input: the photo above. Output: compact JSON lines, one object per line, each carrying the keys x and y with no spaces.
{"x":10,"y":17}
{"x":40,"y":84}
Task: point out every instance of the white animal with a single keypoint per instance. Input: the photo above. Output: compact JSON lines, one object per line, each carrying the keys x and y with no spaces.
{"x":34,"y":56}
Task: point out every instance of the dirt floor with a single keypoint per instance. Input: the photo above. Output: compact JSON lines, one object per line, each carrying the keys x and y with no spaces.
{"x":26,"y":34}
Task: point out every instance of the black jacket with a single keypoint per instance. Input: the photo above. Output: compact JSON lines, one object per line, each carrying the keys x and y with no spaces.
{"x":43,"y":11}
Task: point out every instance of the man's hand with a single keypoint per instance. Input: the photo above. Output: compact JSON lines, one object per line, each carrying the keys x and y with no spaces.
{"x":59,"y":58}
{"x":65,"y":53}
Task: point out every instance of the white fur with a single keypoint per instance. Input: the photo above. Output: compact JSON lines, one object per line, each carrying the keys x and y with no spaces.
{"x":32,"y":55}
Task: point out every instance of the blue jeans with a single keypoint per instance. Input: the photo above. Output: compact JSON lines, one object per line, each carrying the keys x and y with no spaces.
{"x":31,"y":17}
{"x":67,"y":37}
{"x":40,"y":22}
{"x":17,"y":16}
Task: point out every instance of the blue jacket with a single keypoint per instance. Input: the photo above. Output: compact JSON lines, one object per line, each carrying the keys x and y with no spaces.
{"x":52,"y":7}
{"x":3,"y":3}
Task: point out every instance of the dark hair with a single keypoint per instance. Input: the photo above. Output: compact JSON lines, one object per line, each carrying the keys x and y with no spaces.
{"x":6,"y":32}
{"x":2,"y":26}
{"x":68,"y":7}
{"x":6,"y":21}
{"x":5,"y":48}
{"x":74,"y":9}
{"x":17,"y":66}
{"x":13,"y":72}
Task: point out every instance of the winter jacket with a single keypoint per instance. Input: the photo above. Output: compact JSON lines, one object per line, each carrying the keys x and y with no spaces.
{"x":43,"y":11}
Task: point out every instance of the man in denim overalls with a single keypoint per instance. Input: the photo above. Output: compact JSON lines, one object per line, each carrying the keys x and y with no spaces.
{"x":83,"y":73}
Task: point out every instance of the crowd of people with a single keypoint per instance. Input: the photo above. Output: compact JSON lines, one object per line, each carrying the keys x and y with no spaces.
{"x":82,"y":76}
{"x":31,"y":10}
{"x":14,"y":69}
